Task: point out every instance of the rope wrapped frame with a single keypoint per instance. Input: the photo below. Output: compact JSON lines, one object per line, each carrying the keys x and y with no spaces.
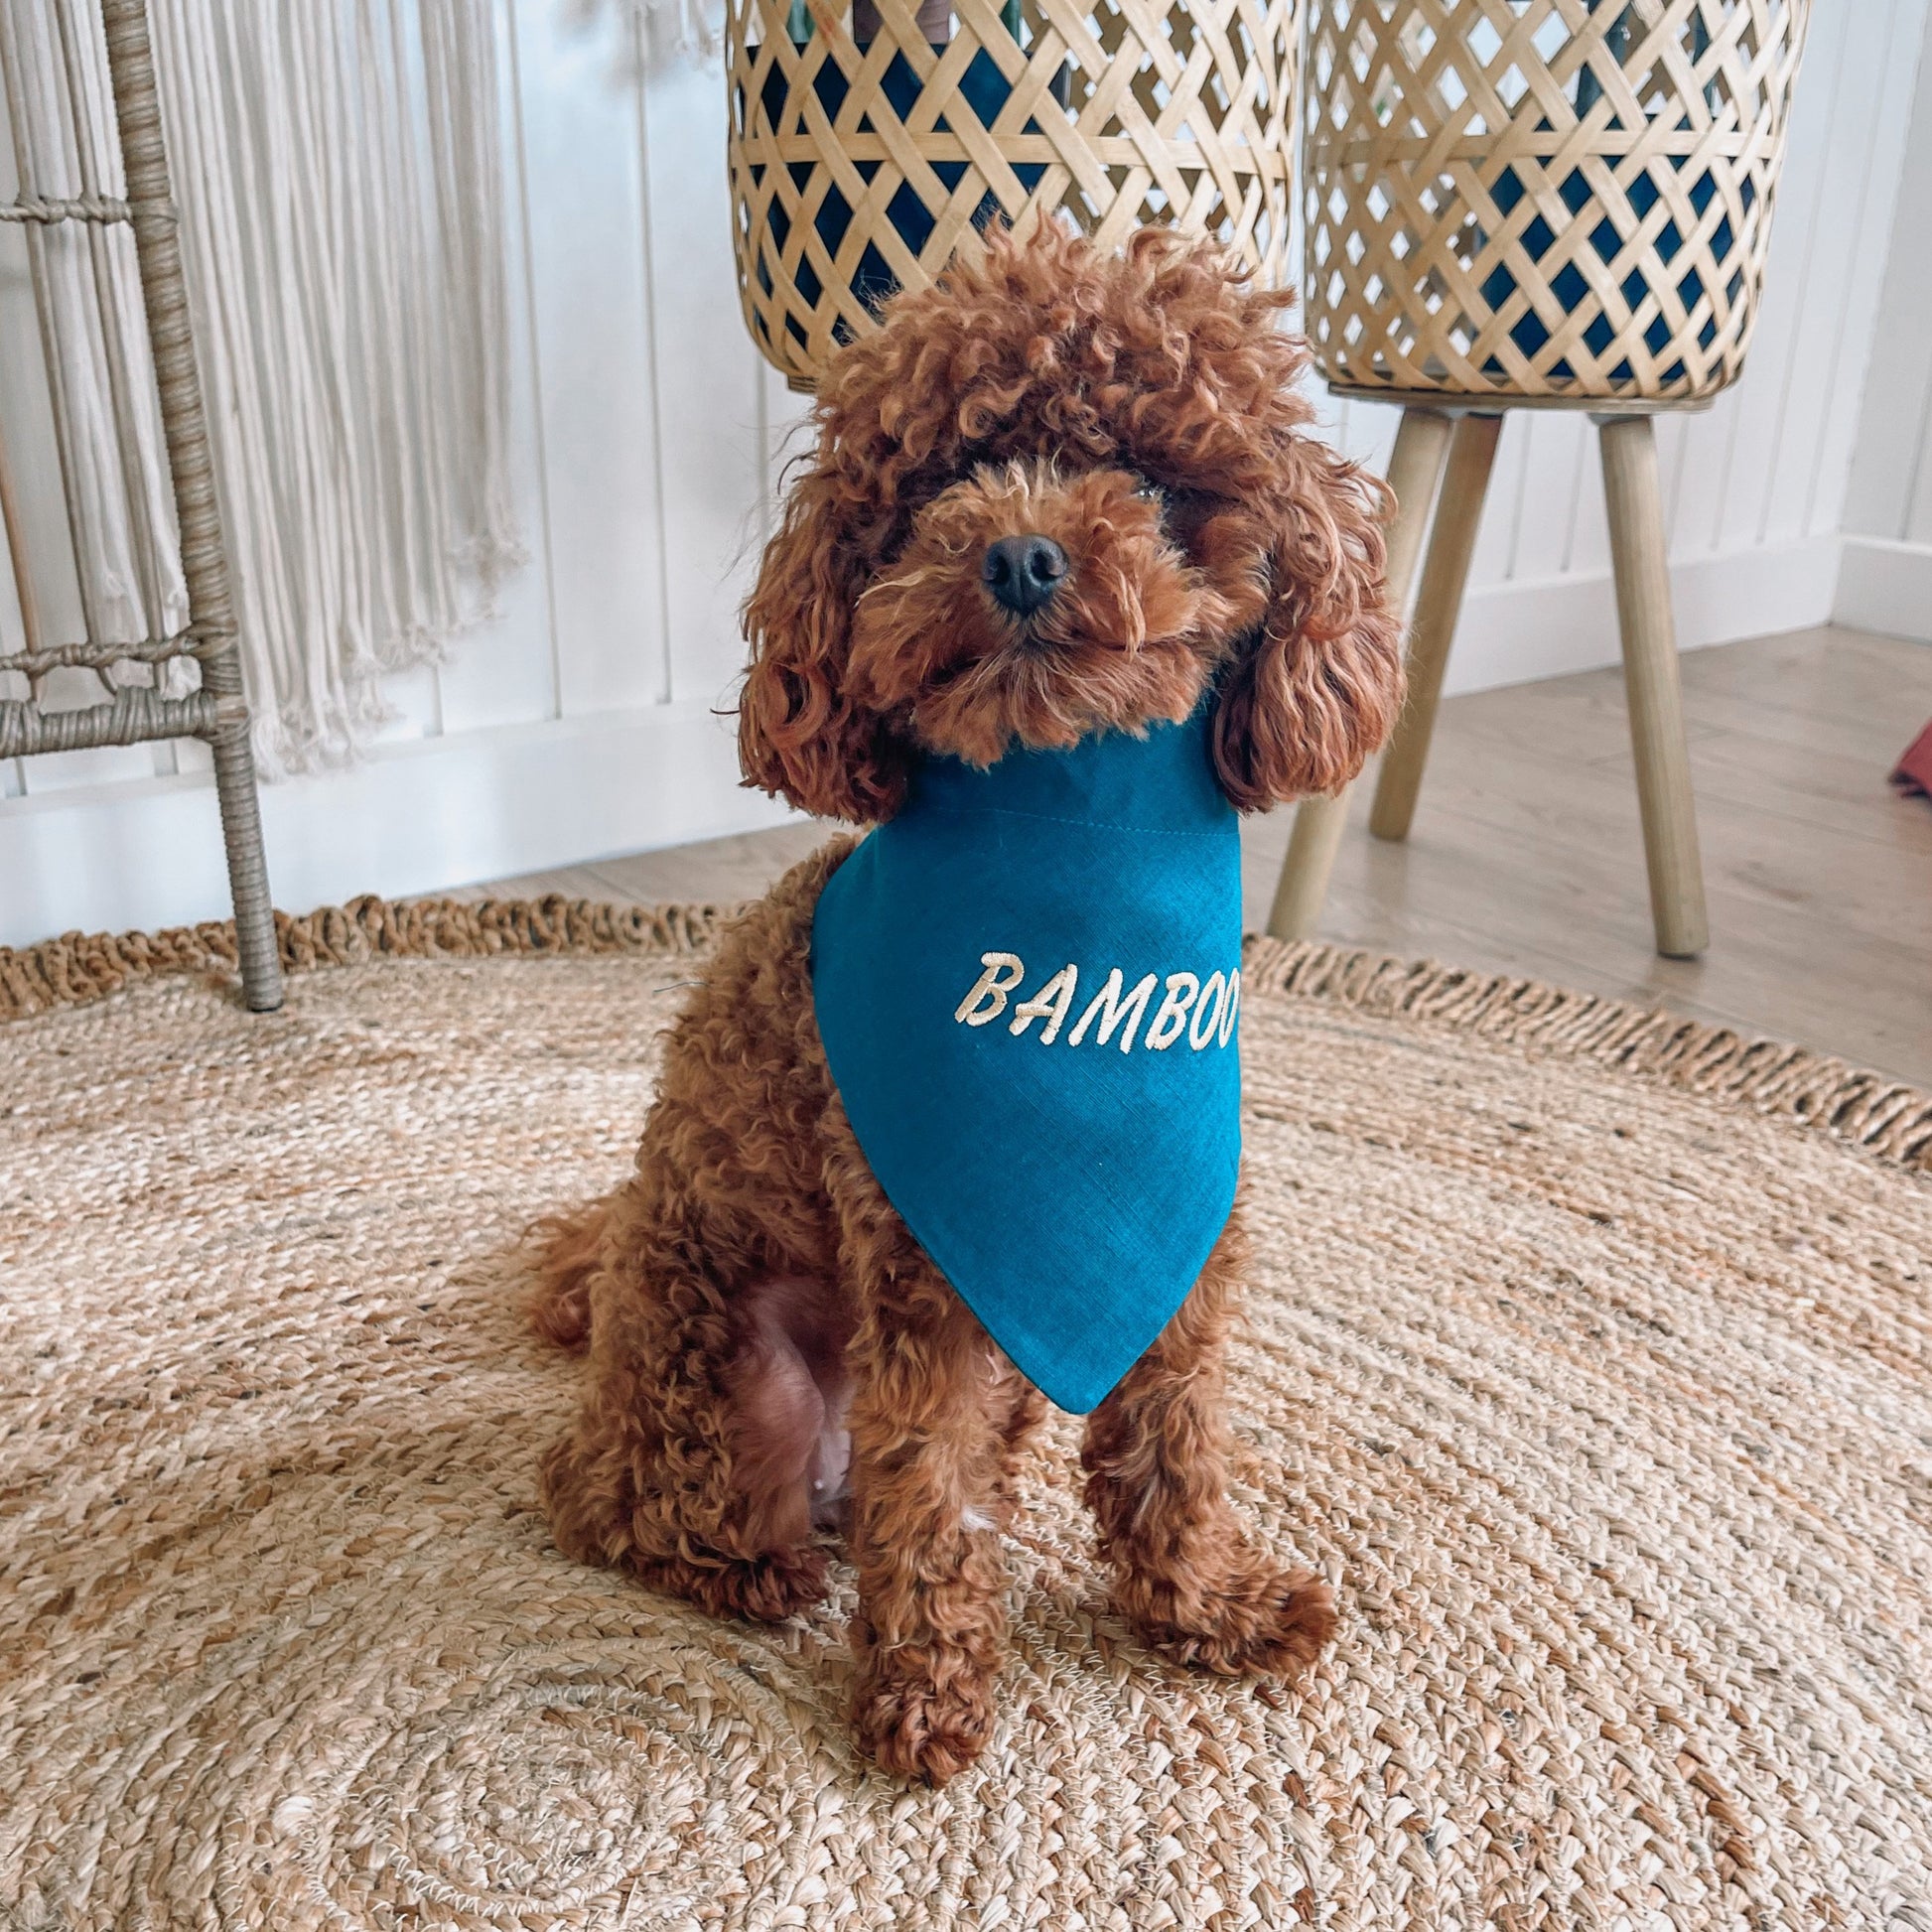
{"x":1112,"y":113}
{"x":1546,"y":199}
{"x":135,"y":675}
{"x":136,"y":709}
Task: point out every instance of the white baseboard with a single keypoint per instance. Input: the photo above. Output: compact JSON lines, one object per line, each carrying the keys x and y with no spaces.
{"x":1885,"y":587}
{"x":1512,"y":634}
{"x":415,"y":818}
{"x":425,"y":814}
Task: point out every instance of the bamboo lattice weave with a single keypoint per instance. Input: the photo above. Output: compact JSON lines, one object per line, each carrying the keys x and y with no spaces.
{"x":1589,"y":1353}
{"x":860,"y":166}
{"x":1546,"y":199}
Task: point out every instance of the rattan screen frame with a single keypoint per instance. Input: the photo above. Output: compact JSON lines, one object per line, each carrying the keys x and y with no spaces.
{"x":218,"y":712}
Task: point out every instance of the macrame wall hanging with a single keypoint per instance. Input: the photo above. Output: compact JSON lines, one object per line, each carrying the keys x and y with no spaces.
{"x":664,"y":33}
{"x":337,"y":167}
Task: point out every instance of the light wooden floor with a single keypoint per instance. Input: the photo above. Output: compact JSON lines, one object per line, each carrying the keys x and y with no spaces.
{"x":1526,"y":854}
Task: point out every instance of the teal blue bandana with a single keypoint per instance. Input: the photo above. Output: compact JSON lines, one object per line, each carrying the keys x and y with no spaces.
{"x":1027,"y":983}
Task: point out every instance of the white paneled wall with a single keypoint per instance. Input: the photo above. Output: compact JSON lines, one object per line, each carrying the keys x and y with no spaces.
{"x":1885,"y":580}
{"x":581,"y":721}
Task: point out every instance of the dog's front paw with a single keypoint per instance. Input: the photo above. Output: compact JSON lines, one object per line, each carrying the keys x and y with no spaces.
{"x":923,"y":1716}
{"x":1251,"y":1619}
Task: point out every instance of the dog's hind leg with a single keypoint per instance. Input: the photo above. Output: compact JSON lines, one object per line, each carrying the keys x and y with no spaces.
{"x":680,"y":1465}
{"x":560,"y":1302}
{"x":1156,"y":1460}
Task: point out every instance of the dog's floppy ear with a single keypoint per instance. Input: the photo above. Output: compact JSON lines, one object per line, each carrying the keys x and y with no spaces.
{"x":799,"y":732}
{"x":1318,"y":680}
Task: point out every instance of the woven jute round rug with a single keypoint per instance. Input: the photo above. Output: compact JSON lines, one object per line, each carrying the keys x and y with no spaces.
{"x":1590,"y":1356}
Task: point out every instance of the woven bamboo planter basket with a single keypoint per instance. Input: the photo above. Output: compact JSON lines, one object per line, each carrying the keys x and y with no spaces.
{"x":1542,"y":200}
{"x":866,"y":148}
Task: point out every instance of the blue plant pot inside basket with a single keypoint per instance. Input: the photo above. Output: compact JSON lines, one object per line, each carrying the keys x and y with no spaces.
{"x":1569,"y":285}
{"x":985,"y":90}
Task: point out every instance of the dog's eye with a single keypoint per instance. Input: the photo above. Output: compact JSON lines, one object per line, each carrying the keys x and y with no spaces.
{"x":1150,"y":492}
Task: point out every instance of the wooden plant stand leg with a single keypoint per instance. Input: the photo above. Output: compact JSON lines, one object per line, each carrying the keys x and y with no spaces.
{"x":1451,"y":543}
{"x":1415,"y":469}
{"x":1650,"y":682}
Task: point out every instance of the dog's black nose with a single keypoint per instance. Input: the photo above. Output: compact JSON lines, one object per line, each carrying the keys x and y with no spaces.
{"x":1024,"y":572}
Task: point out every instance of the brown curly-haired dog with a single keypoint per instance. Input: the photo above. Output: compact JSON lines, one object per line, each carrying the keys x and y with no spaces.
{"x":755,"y":1310}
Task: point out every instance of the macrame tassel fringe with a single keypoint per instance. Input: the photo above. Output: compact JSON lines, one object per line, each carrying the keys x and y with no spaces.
{"x":338,"y":170}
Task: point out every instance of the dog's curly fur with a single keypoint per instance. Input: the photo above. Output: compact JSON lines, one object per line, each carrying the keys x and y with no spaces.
{"x":750,"y":1301}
